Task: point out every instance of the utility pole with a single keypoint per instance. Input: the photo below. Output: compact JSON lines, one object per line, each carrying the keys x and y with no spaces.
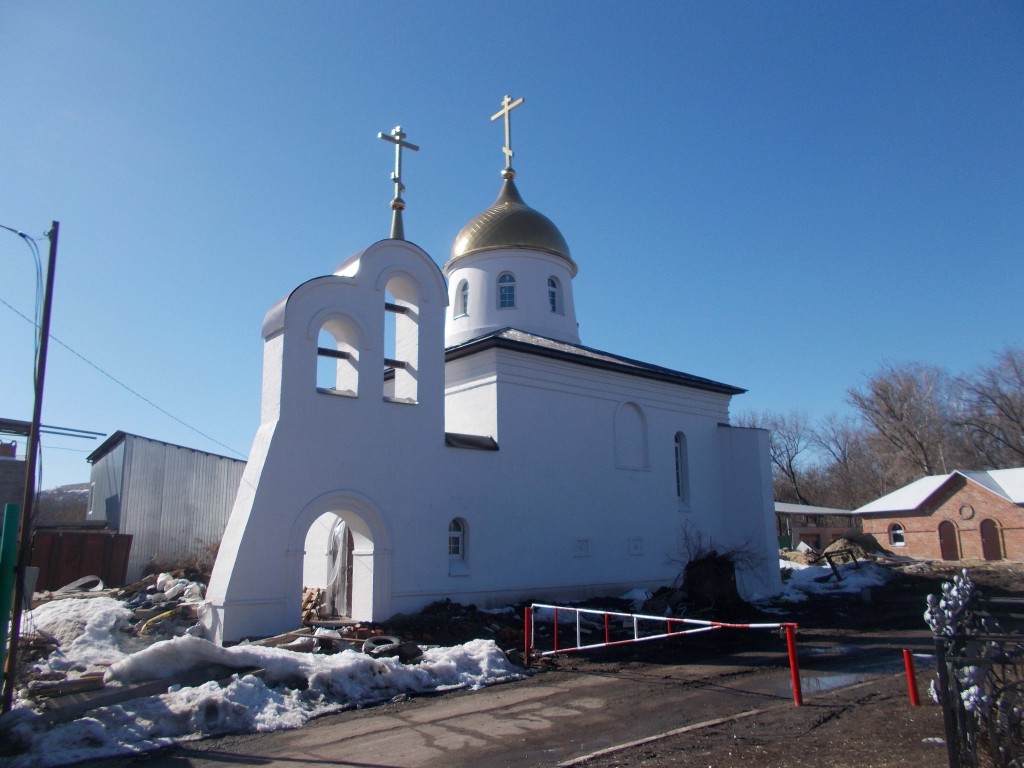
{"x":25,"y":551}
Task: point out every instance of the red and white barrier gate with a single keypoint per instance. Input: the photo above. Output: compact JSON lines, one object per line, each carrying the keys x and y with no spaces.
{"x":664,"y":626}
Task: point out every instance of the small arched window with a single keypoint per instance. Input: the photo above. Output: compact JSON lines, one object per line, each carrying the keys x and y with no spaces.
{"x":896,"y":535}
{"x":682,"y":470}
{"x":462,"y":299}
{"x":457,"y":539}
{"x":507,"y":291}
{"x":458,"y":565}
{"x":554,"y":295}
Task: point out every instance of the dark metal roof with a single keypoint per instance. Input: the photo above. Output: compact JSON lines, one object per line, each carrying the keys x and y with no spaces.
{"x":111,"y":442}
{"x":531,"y":344}
{"x":15,"y":427}
{"x":472,"y":442}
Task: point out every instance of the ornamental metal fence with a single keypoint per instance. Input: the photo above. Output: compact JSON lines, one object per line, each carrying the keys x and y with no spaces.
{"x":979,"y":644}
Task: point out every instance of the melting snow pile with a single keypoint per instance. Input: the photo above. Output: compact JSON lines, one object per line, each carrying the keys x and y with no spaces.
{"x":292,"y":688}
{"x":90,"y":633}
{"x":807,"y":580}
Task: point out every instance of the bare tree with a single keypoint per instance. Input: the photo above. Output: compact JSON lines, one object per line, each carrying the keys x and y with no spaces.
{"x":910,"y":406}
{"x":992,"y":411}
{"x":790,"y":441}
{"x":911,"y":420}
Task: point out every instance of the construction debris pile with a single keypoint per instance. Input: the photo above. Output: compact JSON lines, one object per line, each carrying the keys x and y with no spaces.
{"x":100,"y":662}
{"x":53,"y":661}
{"x":863,"y":547}
{"x":75,"y":635}
{"x":445,"y":623}
{"x":708,"y":585}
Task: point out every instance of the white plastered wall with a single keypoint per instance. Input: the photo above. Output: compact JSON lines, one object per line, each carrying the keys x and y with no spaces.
{"x":558,"y":511}
{"x":532,"y":312}
{"x":318,"y":452}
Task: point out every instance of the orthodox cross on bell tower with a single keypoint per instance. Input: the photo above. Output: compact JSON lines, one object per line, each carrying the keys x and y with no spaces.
{"x":397,"y":137}
{"x":507,"y":105}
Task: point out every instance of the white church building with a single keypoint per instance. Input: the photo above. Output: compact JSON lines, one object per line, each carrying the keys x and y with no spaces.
{"x":442,"y":433}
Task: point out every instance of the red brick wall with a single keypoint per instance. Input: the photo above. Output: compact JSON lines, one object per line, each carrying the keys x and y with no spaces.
{"x":921,"y":528}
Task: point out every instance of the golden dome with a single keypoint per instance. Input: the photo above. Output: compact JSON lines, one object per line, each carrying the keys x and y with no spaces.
{"x":510,"y":223}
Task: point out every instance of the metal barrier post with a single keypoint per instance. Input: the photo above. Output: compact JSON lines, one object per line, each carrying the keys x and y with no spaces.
{"x":555,"y":633}
{"x":527,"y":633}
{"x":794,"y":664}
{"x":607,"y":635}
{"x":908,"y":662}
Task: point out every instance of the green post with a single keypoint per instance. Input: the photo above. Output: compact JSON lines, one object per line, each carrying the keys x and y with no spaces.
{"x":8,"y":568}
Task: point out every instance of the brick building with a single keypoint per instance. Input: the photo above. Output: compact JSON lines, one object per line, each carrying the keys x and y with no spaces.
{"x":960,"y":516}
{"x":815,"y":526}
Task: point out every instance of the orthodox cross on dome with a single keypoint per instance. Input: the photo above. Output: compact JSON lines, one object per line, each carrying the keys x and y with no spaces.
{"x":397,"y":137}
{"x":507,"y":105}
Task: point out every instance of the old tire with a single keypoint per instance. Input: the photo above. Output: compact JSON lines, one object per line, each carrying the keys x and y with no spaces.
{"x":382,"y":645}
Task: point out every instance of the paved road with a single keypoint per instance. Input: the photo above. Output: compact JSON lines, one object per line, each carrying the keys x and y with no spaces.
{"x":548,"y":719}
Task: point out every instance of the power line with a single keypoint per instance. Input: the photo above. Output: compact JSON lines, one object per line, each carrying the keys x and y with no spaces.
{"x":121,"y":384}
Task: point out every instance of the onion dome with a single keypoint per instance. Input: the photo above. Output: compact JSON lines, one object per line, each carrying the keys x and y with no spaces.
{"x":510,"y":224}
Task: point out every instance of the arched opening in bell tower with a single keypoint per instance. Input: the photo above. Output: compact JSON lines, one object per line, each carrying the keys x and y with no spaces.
{"x":339,"y":559}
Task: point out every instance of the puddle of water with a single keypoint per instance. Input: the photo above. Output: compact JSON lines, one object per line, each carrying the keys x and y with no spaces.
{"x":822,"y":683}
{"x":830,"y":650}
{"x":813,"y":682}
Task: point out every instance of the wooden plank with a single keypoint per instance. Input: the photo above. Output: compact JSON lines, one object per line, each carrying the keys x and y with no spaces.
{"x":49,"y":688}
{"x":71,"y":707}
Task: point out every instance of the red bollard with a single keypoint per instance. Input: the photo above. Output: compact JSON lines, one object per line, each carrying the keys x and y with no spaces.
{"x":527,"y":633}
{"x":908,"y":662}
{"x":794,"y":664}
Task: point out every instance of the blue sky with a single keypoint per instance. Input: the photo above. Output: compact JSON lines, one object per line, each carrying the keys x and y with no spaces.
{"x":776,"y":195}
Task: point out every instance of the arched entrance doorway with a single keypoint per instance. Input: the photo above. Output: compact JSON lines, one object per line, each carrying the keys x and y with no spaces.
{"x":327,"y":564}
{"x":991,"y":540}
{"x":949,"y":548}
{"x":343,"y":553}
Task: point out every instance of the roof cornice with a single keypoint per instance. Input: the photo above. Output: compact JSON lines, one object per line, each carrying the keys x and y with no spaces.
{"x":606,"y":361}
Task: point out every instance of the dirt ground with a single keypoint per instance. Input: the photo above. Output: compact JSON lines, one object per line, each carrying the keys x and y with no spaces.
{"x":865,"y":726}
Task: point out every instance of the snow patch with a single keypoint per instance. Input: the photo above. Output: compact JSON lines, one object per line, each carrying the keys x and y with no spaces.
{"x":246,"y":704}
{"x":89,"y":631}
{"x":820,"y":580}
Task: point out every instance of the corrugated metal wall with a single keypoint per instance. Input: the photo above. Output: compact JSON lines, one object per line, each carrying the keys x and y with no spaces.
{"x":105,"y":491}
{"x":176,"y":501}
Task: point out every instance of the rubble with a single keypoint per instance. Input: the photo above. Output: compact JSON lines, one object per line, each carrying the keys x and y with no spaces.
{"x":168,"y":605}
{"x":708,"y":584}
{"x":446,"y":623}
{"x":800,"y":557}
{"x":864,"y":547}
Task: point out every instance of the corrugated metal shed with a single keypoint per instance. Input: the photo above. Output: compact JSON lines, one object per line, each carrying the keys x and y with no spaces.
{"x":174,"y":501}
